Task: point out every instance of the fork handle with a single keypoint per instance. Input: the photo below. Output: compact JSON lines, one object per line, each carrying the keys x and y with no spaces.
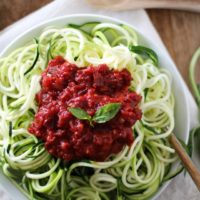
{"x":187,"y":162}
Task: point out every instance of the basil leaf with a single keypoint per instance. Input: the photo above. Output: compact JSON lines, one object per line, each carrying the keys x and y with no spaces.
{"x":106,"y":112}
{"x":79,"y":113}
{"x":145,"y":51}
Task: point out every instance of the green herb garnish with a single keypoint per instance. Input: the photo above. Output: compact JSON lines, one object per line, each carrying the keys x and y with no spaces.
{"x":102,"y":115}
{"x":145,"y":51}
{"x":80,"y":113}
{"x":106,"y":113}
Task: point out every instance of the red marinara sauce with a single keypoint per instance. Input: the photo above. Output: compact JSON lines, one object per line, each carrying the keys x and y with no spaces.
{"x":64,"y":85}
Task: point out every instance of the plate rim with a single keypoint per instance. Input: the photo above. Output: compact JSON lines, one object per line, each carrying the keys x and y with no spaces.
{"x":112,"y":20}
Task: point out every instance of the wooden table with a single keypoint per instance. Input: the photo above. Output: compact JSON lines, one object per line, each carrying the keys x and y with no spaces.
{"x":180,"y":30}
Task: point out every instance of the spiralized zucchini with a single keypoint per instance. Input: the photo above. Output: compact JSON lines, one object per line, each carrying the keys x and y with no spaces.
{"x":136,"y":172}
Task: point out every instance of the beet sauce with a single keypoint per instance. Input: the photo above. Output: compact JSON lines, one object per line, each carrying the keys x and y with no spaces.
{"x":64,"y":85}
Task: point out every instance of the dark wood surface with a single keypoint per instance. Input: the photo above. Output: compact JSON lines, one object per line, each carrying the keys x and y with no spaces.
{"x":180,"y":30}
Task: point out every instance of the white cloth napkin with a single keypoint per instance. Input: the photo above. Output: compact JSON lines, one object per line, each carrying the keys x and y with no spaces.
{"x":182,"y":186}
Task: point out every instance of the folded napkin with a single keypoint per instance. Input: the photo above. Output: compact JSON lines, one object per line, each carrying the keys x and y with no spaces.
{"x":136,"y":4}
{"x":182,"y":186}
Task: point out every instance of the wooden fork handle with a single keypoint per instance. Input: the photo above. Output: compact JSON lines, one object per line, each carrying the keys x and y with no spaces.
{"x":187,"y":162}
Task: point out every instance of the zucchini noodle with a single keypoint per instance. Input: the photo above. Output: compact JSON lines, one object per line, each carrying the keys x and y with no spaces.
{"x":137,"y":171}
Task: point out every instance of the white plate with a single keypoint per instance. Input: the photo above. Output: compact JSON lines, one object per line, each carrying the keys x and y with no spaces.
{"x":181,"y":109}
